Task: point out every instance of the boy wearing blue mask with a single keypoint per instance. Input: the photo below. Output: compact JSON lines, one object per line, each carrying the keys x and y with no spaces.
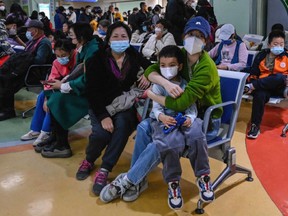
{"x":267,"y":78}
{"x":169,"y":145}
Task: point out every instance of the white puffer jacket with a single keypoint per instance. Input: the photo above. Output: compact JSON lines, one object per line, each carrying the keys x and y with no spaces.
{"x":155,"y":46}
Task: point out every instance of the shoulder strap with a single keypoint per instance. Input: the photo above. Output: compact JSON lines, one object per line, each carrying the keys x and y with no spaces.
{"x":218,"y":56}
{"x":235,"y":58}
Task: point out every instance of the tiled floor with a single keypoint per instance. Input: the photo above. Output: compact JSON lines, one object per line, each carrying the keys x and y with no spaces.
{"x":35,"y":186}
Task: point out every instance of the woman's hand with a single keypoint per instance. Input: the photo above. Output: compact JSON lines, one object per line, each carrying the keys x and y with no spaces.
{"x":143,"y":82}
{"x":187,"y":123}
{"x":222,"y":67}
{"x":167,"y":120}
{"x":107,"y":124}
{"x":55,"y":84}
{"x":173,"y":90}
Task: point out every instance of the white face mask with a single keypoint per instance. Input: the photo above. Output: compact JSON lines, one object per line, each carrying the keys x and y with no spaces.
{"x":169,"y":72}
{"x":193,"y":45}
{"x":158,"y":30}
{"x":193,"y":5}
{"x":2,"y":8}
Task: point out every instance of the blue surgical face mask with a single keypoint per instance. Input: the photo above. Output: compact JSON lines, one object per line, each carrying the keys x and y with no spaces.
{"x":144,"y":28}
{"x":119,"y":46}
{"x":277,"y":50}
{"x":101,"y":32}
{"x":227,"y":42}
{"x":29,"y":35}
{"x":63,"y":60}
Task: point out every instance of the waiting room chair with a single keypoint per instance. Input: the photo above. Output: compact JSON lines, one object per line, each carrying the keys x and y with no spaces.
{"x":34,"y":75}
{"x":232,"y":86}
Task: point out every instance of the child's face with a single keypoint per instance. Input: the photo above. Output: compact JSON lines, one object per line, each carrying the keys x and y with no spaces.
{"x":169,"y":67}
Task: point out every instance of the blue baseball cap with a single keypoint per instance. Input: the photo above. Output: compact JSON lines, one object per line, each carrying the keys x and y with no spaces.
{"x":200,"y":24}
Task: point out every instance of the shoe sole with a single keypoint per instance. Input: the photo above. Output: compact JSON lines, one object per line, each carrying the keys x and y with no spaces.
{"x":28,"y":139}
{"x":131,"y":199}
{"x":177,"y":207}
{"x":253,"y":137}
{"x":56,"y":154}
{"x":205,"y":201}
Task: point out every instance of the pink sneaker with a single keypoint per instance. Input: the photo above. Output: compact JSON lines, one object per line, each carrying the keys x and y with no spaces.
{"x":100,"y":181}
{"x":84,"y":170}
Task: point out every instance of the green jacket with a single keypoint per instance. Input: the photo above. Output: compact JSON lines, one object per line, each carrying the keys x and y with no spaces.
{"x":69,"y":108}
{"x":203,"y":86}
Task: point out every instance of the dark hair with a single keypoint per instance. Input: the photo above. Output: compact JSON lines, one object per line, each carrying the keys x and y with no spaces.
{"x":64,"y":44}
{"x":116,"y":8}
{"x":87,"y":6}
{"x":110,"y":6}
{"x":142,"y":4}
{"x":83,"y":32}
{"x":275,"y":34}
{"x":71,"y":8}
{"x":42,"y":14}
{"x":135,"y":9}
{"x":61,"y":9}
{"x":277,"y":26}
{"x":104,"y":23}
{"x":16,"y":8}
{"x":34,"y":15}
{"x":164,"y":22}
{"x":115,"y":25}
{"x":69,"y":23}
{"x":171,"y":51}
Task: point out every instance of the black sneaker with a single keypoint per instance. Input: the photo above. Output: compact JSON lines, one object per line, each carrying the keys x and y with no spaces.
{"x":56,"y":151}
{"x":84,"y":170}
{"x":254,"y":132}
{"x":48,"y":142}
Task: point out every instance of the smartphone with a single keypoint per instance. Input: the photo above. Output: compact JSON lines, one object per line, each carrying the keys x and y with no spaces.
{"x":46,"y":82}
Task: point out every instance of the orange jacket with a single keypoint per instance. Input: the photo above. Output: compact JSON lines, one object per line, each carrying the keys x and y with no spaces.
{"x":259,"y":69}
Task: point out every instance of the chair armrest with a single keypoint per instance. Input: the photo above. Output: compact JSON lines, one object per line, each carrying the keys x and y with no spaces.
{"x":30,"y":71}
{"x":210,"y":109}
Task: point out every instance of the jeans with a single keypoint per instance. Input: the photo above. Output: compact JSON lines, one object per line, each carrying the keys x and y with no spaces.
{"x":146,"y":156}
{"x":124,"y":124}
{"x":41,"y":120}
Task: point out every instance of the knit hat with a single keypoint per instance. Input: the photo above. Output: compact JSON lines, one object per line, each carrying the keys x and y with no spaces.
{"x":198,"y":23}
{"x":35,"y":24}
{"x":226,"y":31}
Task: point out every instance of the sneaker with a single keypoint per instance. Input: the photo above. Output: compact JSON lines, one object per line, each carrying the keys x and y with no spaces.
{"x":254,"y":132}
{"x":135,"y":190}
{"x":248,"y":89}
{"x":48,"y":142}
{"x":42,"y":137}
{"x":175,"y":200}
{"x":84,"y":170}
{"x":30,"y":135}
{"x":56,"y":151}
{"x":205,"y":190}
{"x":115,"y":189}
{"x":100,"y":181}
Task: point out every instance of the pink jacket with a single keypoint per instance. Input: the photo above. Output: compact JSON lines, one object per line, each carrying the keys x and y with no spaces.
{"x":59,"y":71}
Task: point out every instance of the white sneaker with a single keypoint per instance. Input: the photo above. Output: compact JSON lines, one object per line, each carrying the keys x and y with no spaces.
{"x":30,"y":135}
{"x":42,"y":137}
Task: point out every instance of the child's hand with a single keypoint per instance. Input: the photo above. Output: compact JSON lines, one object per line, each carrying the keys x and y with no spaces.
{"x":167,"y":120}
{"x":55,"y":84}
{"x":187,"y":123}
{"x":143,"y":83}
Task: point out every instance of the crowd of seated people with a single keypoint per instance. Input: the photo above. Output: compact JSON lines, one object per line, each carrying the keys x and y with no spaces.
{"x":97,"y":72}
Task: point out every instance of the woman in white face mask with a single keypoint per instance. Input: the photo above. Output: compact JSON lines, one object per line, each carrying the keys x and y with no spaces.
{"x":203,"y":86}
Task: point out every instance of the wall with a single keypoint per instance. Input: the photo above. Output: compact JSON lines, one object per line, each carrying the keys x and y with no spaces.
{"x":276,"y":7}
{"x":235,"y":12}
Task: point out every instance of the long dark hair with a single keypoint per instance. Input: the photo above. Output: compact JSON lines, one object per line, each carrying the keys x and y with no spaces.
{"x":83,"y":32}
